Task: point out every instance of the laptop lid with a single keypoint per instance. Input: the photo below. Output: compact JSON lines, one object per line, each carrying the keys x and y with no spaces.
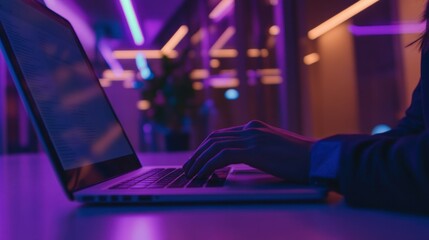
{"x":69,"y":109}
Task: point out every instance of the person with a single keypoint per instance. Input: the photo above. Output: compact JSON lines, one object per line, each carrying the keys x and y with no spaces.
{"x":389,"y":170}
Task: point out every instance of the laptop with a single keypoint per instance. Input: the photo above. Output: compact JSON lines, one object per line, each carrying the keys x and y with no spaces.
{"x":82,"y":136}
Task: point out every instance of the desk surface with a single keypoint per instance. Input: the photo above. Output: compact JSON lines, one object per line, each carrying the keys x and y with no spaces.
{"x":33,"y":206}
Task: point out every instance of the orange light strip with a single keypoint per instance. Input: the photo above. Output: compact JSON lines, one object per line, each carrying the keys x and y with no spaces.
{"x":274,"y":30}
{"x":215,"y":53}
{"x":223,"y":39}
{"x":143,"y":105}
{"x":224,"y":82}
{"x":149,"y":54}
{"x":227,"y":78}
{"x":232,"y":53}
{"x":221,"y":9}
{"x":196,"y":38}
{"x":214,"y":63}
{"x":223,"y":53}
{"x":124,"y":76}
{"x":269,"y":71}
{"x":271,"y":80}
{"x":199,"y":74}
{"x":198,"y":86}
{"x":228,"y":72}
{"x":175,"y":39}
{"x":274,"y":2}
{"x":311,"y":58}
{"x":105,"y":82}
{"x":340,"y":18}
{"x":254,"y":52}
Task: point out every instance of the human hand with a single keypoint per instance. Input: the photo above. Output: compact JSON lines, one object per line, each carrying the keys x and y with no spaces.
{"x":257,"y":144}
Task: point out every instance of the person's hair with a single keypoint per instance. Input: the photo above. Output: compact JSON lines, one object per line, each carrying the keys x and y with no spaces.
{"x":424,"y":39}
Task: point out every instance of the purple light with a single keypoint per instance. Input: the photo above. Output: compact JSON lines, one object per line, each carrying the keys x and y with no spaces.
{"x":408,"y":28}
{"x":84,"y":31}
{"x":113,"y":63}
{"x":77,"y":19}
{"x":132,"y":21}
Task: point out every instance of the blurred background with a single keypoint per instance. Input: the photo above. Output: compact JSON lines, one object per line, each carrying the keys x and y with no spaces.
{"x":175,"y":70}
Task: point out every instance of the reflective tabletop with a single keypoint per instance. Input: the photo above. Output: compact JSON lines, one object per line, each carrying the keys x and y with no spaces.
{"x":33,"y":206}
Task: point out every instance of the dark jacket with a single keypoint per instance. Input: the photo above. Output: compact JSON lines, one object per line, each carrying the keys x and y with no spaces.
{"x":391,"y":170}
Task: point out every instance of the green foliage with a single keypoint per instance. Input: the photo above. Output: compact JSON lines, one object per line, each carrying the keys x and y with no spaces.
{"x":170,"y":95}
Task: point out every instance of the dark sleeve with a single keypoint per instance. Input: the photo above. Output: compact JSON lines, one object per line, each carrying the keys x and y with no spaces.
{"x":385,"y":172}
{"x":388,"y":170}
{"x":413,"y":122}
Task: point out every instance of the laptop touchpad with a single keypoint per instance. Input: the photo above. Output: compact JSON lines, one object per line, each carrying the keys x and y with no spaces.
{"x":253,"y":177}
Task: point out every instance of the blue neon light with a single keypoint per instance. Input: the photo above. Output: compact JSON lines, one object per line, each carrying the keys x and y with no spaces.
{"x":380,"y":129}
{"x":146,"y":74}
{"x":132,"y":21}
{"x":232,"y":94}
{"x":143,"y":67}
{"x":141,"y":61}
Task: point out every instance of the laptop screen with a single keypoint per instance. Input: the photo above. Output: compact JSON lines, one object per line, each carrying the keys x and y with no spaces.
{"x":62,"y":87}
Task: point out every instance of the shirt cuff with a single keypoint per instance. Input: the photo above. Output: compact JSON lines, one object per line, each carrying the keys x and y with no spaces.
{"x":325,"y":161}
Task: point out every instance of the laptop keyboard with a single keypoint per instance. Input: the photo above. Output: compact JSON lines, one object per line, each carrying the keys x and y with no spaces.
{"x":172,"y":178}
